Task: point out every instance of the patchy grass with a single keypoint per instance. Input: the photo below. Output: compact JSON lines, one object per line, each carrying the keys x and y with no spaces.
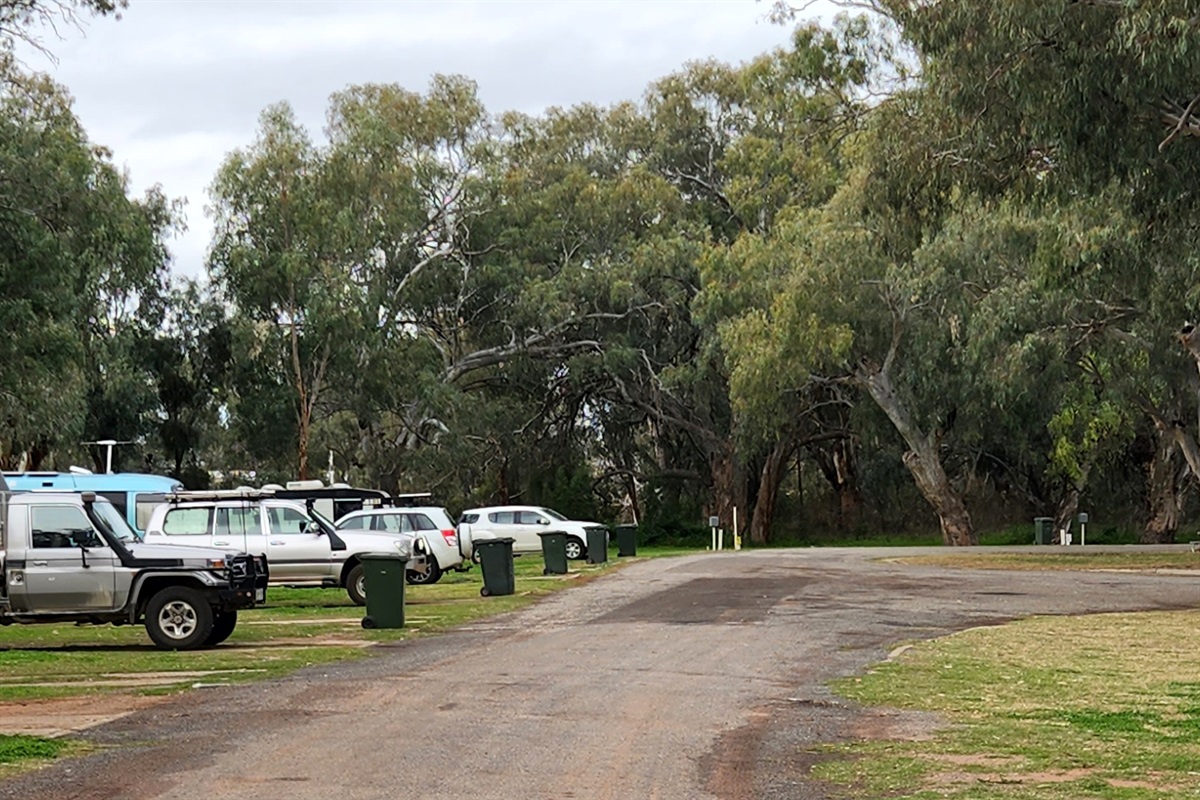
{"x":1061,"y":560}
{"x":19,"y":753}
{"x":1104,"y":707}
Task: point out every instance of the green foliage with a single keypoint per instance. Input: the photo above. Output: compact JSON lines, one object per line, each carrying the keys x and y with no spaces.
{"x":940,"y":242}
{"x":82,"y":273}
{"x":568,"y":491}
{"x":14,"y":748}
{"x":20,"y":18}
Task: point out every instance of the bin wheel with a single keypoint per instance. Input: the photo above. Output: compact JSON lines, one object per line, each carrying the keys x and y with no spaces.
{"x":546,"y":571}
{"x":484,"y":592}
{"x":368,"y":622}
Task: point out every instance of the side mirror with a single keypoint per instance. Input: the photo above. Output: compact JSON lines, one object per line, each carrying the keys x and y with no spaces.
{"x":543,"y":521}
{"x":314,"y":527}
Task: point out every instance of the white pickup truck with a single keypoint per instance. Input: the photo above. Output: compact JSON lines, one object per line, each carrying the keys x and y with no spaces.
{"x":72,"y":557}
{"x":302,"y":548}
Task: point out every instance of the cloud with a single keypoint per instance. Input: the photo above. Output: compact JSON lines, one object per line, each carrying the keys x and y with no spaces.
{"x":175,"y":85}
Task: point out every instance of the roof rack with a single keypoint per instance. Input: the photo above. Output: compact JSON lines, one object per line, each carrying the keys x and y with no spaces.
{"x":241,"y":493}
{"x":412,"y":499}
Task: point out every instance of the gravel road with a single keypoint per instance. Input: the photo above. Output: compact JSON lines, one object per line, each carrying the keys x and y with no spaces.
{"x":676,"y":679}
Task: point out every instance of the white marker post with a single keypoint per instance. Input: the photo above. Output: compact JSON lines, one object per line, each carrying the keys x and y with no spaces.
{"x":713,"y":522}
{"x":1083,"y":521}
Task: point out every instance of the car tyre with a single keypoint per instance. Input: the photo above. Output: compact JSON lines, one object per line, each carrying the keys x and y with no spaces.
{"x":575,"y":549}
{"x":223,"y":624}
{"x":427,"y":578}
{"x":356,"y":585}
{"x":179,"y":618}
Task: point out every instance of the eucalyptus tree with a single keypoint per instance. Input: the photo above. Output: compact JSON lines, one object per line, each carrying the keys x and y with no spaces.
{"x":1031,"y":90}
{"x":190,"y":357}
{"x":766,"y":144}
{"x":1027,"y":153}
{"x":83,"y":267}
{"x":274,"y":258}
{"x":21,"y":19}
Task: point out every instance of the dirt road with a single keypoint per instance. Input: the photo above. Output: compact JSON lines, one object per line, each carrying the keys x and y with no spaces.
{"x":676,"y":679}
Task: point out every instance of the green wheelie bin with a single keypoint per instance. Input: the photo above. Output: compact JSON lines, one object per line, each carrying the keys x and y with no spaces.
{"x":597,"y":545}
{"x":496,"y":561}
{"x":554,"y":552}
{"x":626,"y":540}
{"x":383,"y":578}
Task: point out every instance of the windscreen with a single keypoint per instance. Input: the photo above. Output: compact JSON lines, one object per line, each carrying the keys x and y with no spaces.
{"x":321,"y":520}
{"x":113,"y":520}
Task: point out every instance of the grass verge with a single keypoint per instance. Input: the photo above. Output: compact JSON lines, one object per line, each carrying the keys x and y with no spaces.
{"x":1104,"y":707}
{"x":1078,"y":560}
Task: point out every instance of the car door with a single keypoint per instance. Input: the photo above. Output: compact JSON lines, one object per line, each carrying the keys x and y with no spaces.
{"x":239,"y":528}
{"x":296,"y":547}
{"x":187,"y":525}
{"x":531,"y":524}
{"x":399,"y":525}
{"x":69,"y":566}
{"x":500,"y":524}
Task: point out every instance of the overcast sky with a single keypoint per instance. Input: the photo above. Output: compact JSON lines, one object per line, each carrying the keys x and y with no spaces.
{"x":176,"y":84}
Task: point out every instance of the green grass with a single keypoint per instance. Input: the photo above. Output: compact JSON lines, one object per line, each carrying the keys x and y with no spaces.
{"x":1055,"y":559}
{"x":1104,"y":707}
{"x":22,"y":748}
{"x":1018,"y":534}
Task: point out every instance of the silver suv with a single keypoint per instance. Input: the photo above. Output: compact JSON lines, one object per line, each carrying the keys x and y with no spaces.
{"x":431,"y":525}
{"x":302,"y":547}
{"x":73,"y":558}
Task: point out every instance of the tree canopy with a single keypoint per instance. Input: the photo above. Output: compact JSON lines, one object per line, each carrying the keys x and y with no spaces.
{"x":932,"y":265}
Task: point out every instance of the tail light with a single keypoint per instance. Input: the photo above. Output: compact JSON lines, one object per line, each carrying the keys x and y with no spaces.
{"x":450,"y":536}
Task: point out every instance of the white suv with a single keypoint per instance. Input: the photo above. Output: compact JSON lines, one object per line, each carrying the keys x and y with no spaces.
{"x":302,"y":548}
{"x":523,"y":524}
{"x":429,"y":524}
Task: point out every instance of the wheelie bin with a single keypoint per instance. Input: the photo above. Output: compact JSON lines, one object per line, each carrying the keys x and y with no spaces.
{"x":496,"y":561}
{"x":597,"y":545}
{"x":554,"y":552}
{"x":383,"y":578}
{"x":626,"y":540}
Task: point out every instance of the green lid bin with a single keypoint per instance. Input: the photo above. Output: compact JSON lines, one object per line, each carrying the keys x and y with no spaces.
{"x":597,"y":545}
{"x":554,"y":552}
{"x":496,"y":561}
{"x":383,"y":577}
{"x":1043,"y":530}
{"x":626,"y":540}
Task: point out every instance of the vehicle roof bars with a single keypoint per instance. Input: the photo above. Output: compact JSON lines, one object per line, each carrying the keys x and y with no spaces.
{"x":330,"y":493}
{"x":412,"y":499}
{"x":242,"y":493}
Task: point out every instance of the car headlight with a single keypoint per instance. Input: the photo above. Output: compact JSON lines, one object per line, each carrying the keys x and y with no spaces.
{"x":403,"y":547}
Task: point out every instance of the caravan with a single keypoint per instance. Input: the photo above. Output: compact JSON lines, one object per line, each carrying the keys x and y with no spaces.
{"x":133,"y":494}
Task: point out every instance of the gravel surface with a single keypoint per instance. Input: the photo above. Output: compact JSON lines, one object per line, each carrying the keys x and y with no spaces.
{"x":675,"y":679}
